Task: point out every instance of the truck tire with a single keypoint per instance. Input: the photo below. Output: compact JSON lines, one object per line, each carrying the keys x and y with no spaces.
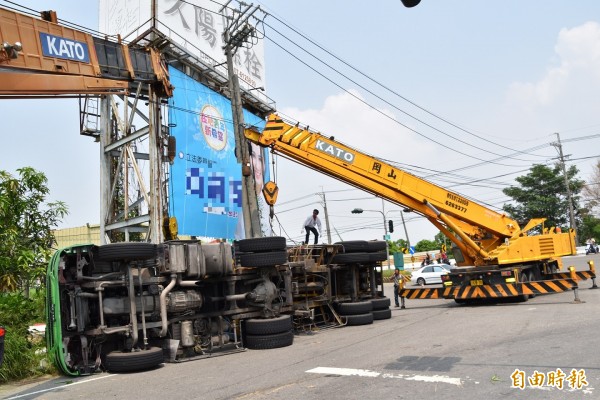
{"x":374,"y":246}
{"x":126,"y":251}
{"x":360,"y":307}
{"x":118,"y":361}
{"x":531,"y":279}
{"x":360,"y":319}
{"x":350,"y":258}
{"x":263,"y":259}
{"x":382,"y":314}
{"x":381,"y":304}
{"x":354,"y":246}
{"x":264,"y":342}
{"x":261,"y":244}
{"x":524,"y":278}
{"x":377,"y":256}
{"x":263,"y":326}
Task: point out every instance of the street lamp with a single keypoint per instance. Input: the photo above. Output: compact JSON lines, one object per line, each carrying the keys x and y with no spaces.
{"x":387,"y":248}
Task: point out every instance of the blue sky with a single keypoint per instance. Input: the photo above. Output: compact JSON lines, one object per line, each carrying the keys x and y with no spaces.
{"x":509,"y":73}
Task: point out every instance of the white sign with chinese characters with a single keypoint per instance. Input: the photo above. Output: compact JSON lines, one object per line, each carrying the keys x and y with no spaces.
{"x":197,"y":27}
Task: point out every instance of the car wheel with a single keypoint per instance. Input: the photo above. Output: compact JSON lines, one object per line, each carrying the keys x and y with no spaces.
{"x":421,"y":282}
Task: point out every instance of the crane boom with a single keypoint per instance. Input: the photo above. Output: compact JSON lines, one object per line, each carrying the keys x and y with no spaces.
{"x":484,"y":236}
{"x":38,"y":57}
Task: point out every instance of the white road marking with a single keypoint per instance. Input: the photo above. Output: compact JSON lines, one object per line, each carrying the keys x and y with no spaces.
{"x":58,"y":387}
{"x":374,"y":374}
{"x":344,"y":372}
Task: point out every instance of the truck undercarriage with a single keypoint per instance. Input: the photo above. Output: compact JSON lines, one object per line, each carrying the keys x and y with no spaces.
{"x":131,"y":306}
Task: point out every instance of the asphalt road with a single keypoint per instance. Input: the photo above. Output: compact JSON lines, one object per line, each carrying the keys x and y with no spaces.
{"x":434,"y":349}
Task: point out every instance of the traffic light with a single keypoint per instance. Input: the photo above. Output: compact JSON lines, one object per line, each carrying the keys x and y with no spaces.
{"x":391,"y":226}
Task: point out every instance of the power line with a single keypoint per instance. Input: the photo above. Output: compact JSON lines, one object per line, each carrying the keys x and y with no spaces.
{"x":380,"y":85}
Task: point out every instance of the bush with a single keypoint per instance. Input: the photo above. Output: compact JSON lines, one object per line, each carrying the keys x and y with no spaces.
{"x":24,"y":355}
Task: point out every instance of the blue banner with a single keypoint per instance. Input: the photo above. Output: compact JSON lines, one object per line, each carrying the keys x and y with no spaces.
{"x":205,"y":188}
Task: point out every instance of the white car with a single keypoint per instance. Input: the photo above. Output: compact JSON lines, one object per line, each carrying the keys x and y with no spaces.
{"x":429,"y":274}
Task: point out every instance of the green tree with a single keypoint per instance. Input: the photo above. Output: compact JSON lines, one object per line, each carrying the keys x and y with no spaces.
{"x":427,"y":245}
{"x":589,"y":227}
{"x":542,"y":194}
{"x":397,"y":246}
{"x":26,"y":223}
{"x":590,"y":224}
{"x":441,"y":239}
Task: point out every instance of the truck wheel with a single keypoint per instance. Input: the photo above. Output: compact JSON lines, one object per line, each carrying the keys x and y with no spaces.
{"x":350,"y":258}
{"x":377,"y":256}
{"x":375,"y":246}
{"x":361,"y":319}
{"x":382,"y":314}
{"x":260,"y":244}
{"x":354,"y":246}
{"x":263,"y":342}
{"x":360,"y":307}
{"x":126,"y":251}
{"x":381,"y":304}
{"x":118,"y":361}
{"x":524,"y":278}
{"x":531,"y":279}
{"x":261,"y":326}
{"x":263,"y":259}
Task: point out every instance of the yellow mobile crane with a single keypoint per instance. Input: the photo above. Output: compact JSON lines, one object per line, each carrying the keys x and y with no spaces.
{"x":497,"y":257}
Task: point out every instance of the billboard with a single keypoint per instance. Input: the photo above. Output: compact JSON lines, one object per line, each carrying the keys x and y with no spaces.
{"x":197,"y":28}
{"x":205,"y":186}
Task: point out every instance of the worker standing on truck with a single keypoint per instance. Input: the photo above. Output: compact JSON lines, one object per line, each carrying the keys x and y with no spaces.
{"x":311,"y":224}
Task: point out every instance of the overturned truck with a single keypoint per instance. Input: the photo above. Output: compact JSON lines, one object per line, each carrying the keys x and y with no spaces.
{"x":131,"y":306}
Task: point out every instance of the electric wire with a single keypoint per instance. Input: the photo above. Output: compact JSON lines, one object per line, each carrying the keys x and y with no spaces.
{"x":386,"y":88}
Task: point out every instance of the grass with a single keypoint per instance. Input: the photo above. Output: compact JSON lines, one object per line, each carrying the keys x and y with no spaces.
{"x":25,"y":355}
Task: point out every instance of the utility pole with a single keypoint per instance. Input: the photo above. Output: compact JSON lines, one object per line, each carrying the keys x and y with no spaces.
{"x":405,"y":231}
{"x":322,"y":194}
{"x":236,"y":33}
{"x":558,"y":145}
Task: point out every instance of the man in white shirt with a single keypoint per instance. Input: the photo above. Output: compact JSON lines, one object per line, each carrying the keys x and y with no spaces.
{"x":311,"y":224}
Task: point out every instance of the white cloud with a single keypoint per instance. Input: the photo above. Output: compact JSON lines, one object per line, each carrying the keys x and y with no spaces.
{"x":578,"y":54}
